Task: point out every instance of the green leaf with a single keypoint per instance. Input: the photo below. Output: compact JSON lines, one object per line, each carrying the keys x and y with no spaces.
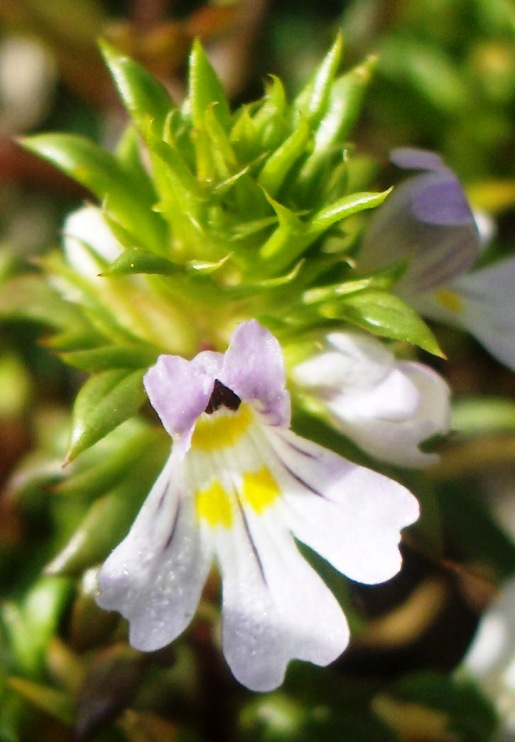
{"x":102,"y":174}
{"x":205,"y":89}
{"x":344,"y":106}
{"x":110,"y":516}
{"x":385,"y":314}
{"x":29,"y":297}
{"x":470,"y":715}
{"x":144,"y":97}
{"x":282,"y":160}
{"x":137,"y":260}
{"x":313,"y":99}
{"x":105,"y":401}
{"x":94,"y":360}
{"x":344,"y":207}
{"x":101,"y":468}
{"x":56,"y":703}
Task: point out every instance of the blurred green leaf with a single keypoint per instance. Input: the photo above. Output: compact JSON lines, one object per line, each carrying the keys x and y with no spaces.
{"x":137,"y":260}
{"x":469,"y":715}
{"x":111,"y":357}
{"x":56,"y":703}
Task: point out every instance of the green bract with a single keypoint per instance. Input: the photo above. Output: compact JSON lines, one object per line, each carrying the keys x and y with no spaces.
{"x":220,"y":216}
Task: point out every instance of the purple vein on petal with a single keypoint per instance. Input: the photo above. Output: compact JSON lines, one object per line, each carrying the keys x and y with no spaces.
{"x":251,"y":541}
{"x":174,"y":525}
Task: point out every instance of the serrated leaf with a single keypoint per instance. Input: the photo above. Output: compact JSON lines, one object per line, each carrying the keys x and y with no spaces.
{"x":206,"y":89}
{"x":105,"y":401}
{"x":312,"y":101}
{"x":385,"y":314}
{"x":144,"y":96}
{"x":343,"y":208}
{"x":344,"y":106}
{"x":137,"y":260}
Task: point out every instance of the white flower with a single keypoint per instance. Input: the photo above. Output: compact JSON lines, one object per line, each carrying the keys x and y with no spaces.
{"x":239,"y":487}
{"x":88,"y":242}
{"x":387,"y":407}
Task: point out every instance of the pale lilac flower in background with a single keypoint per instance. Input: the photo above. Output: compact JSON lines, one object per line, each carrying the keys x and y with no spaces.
{"x":240,"y":487}
{"x":387,"y":407}
{"x":481,"y":302}
{"x":428,"y":220}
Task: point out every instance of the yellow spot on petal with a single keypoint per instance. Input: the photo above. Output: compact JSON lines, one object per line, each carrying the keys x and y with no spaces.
{"x":260,"y":490}
{"x":214,"y":506}
{"x":449,"y":300}
{"x":224,"y":428}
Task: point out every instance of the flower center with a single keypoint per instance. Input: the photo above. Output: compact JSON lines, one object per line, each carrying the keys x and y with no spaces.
{"x":213,"y":432}
{"x":222,"y":396}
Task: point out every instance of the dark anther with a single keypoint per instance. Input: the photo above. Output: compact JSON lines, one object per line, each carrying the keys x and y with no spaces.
{"x":222,"y":395}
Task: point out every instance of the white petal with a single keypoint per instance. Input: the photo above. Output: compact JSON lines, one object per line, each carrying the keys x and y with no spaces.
{"x":483,"y":305}
{"x":350,"y":515}
{"x":275,"y":606}
{"x":395,"y":435}
{"x":353,"y":360}
{"x":87,"y":226}
{"x":155,"y":576}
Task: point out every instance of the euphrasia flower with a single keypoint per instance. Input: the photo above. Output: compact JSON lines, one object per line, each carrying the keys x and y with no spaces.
{"x":239,"y":487}
{"x":428,"y":220}
{"x":388,"y":407}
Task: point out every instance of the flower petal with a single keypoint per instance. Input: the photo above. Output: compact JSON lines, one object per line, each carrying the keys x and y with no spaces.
{"x":427,"y":219}
{"x":396,"y":439}
{"x":253,"y":368}
{"x":180,"y":390}
{"x":353,"y":359}
{"x":275,"y":606}
{"x":87,"y":227}
{"x":350,"y":515}
{"x":413,"y":158}
{"x":482,"y":303}
{"x":155,"y":576}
